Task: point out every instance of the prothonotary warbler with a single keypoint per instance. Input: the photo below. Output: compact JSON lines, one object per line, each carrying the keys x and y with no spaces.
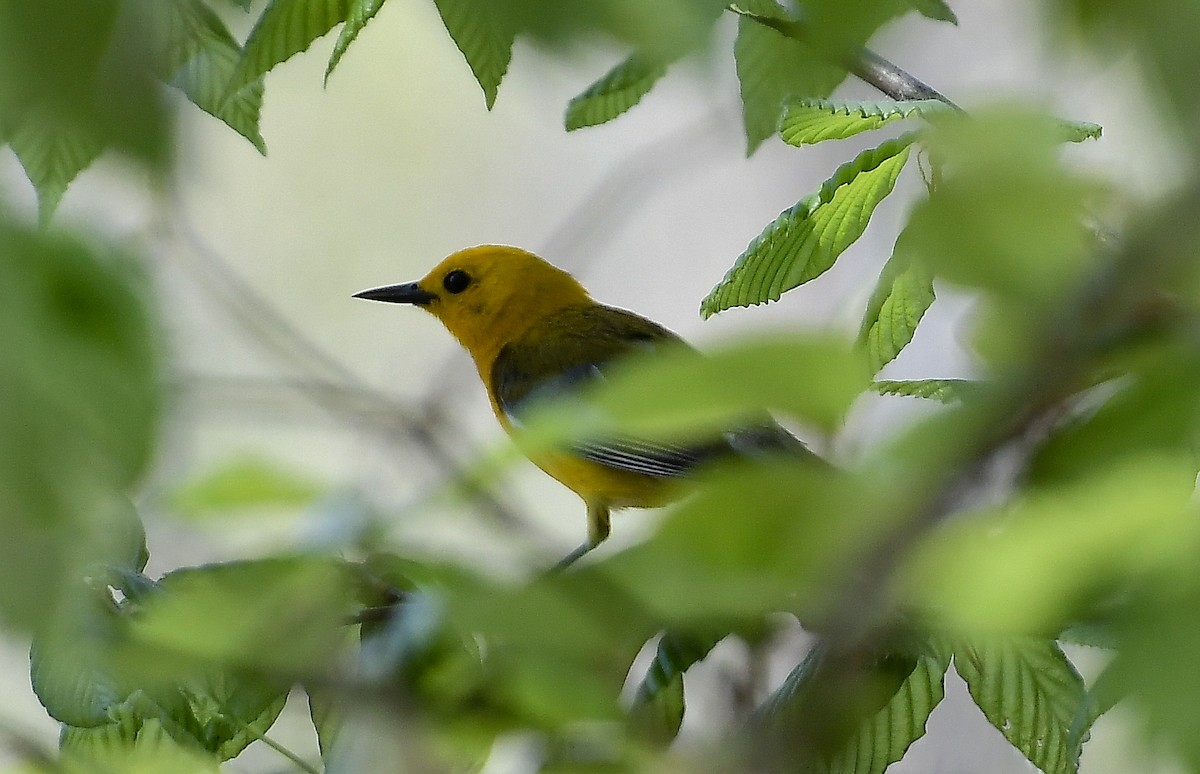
{"x":533,"y":331}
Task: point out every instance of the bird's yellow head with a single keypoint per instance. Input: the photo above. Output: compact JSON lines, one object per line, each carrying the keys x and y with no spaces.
{"x":488,"y":296}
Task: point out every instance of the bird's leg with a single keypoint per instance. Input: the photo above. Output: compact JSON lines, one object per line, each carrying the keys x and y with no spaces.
{"x":598,"y":529}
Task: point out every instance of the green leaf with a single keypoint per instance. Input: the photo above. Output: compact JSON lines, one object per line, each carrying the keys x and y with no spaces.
{"x":80,"y":387}
{"x":810,"y":121}
{"x":1152,"y":407}
{"x":619,"y":90}
{"x":902,"y":294}
{"x":484,"y":34}
{"x":89,"y":676}
{"x":285,"y":28}
{"x":658,"y":706}
{"x":804,"y":241}
{"x":1031,"y":565}
{"x":942,"y":390}
{"x":1029,"y":691}
{"x":1079,"y":131}
{"x":557,"y":651}
{"x":1102,"y":695}
{"x":282,"y":615}
{"x":796,"y":523}
{"x":361,"y":12}
{"x":200,"y":57}
{"x":233,"y":710}
{"x":69,"y":666}
{"x":52,"y":155}
{"x":135,"y":746}
{"x":328,"y":717}
{"x":773,"y":68}
{"x":867,"y":732}
{"x":1006,"y":215}
{"x":884,"y":738}
{"x":937,"y":10}
{"x":727,"y":387}
{"x":244,"y":483}
{"x":76,"y":74}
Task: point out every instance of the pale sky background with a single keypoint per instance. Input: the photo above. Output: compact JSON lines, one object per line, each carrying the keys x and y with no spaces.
{"x":397,"y":163}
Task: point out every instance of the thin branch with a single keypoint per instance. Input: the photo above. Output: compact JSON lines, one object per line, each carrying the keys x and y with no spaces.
{"x":889,"y":78}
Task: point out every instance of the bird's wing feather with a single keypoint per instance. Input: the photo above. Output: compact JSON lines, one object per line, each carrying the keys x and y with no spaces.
{"x":557,"y":359}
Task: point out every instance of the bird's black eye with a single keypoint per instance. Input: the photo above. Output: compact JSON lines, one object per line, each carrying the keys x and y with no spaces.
{"x":456,"y":281}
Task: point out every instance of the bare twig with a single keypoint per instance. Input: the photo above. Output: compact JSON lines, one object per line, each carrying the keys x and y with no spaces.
{"x":889,"y":78}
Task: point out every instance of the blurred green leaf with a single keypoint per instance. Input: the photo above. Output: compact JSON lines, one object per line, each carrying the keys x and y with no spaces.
{"x":199,"y":56}
{"x":232,"y":711}
{"x":484,"y":36}
{"x":941,"y":390}
{"x":1078,"y":131}
{"x":809,"y":121}
{"x":281,"y":616}
{"x":752,"y":539}
{"x":773,"y":68}
{"x":555,"y":651}
{"x":132,"y":747}
{"x":52,"y":157}
{"x":1006,"y":215}
{"x":244,"y":483}
{"x":902,"y":294}
{"x":885,"y":738}
{"x":1153,"y":407}
{"x":74,"y":80}
{"x":1102,"y":695}
{"x":327,"y":716}
{"x":810,"y":378}
{"x":805,"y":241}
{"x":361,"y":12}
{"x":1029,"y":691}
{"x":1027,"y":567}
{"x":937,"y":10}
{"x":1114,"y":27}
{"x":664,"y":30}
{"x":87,"y":674}
{"x":70,"y":670}
{"x":619,"y":90}
{"x":868,"y":729}
{"x":285,"y":28}
{"x":1158,"y":634}
{"x":658,"y":706}
{"x":79,"y":378}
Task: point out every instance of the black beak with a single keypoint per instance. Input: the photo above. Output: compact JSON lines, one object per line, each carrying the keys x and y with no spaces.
{"x":407,"y":293}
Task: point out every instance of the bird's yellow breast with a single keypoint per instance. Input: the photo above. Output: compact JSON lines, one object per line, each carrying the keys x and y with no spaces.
{"x":599,"y":483}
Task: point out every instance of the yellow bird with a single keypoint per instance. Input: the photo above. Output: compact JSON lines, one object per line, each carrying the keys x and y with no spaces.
{"x":533,"y":332}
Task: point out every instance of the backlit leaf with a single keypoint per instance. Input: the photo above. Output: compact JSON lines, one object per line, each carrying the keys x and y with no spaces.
{"x":902,"y":294}
{"x":806,"y":240}
{"x":484,"y":34}
{"x":773,"y":68}
{"x":809,"y":121}
{"x":361,"y":12}
{"x":1029,"y":691}
{"x":619,"y":90}
{"x":285,"y":28}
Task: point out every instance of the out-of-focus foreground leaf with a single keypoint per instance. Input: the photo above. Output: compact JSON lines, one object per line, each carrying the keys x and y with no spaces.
{"x":80,"y":400}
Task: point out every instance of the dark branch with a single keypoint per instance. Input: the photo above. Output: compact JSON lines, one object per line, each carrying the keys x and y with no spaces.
{"x":890,"y":79}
